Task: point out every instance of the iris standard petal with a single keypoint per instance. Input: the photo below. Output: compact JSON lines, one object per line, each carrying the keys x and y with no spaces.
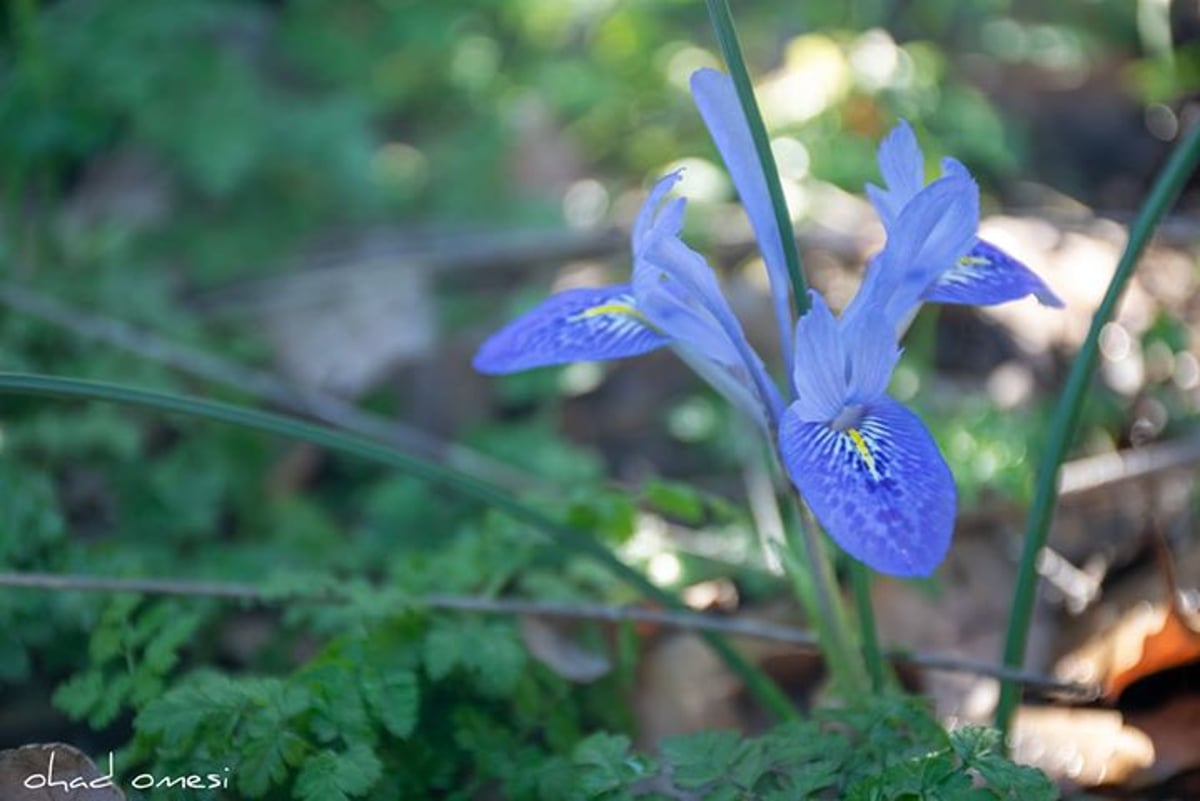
{"x":903,"y":168}
{"x":677,"y":291}
{"x":716,"y":98}
{"x":872,"y":353}
{"x":820,"y":373}
{"x":678,"y":315}
{"x":987,"y":276}
{"x":591,"y":324}
{"x":953,"y":167}
{"x":649,"y":214}
{"x":935,"y":229}
{"x":880,"y":488}
{"x":665,"y":258}
{"x":734,"y":382}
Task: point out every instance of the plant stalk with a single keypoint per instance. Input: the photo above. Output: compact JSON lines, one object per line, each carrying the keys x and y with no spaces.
{"x":808,"y":566}
{"x":860,"y":581}
{"x":1065,"y":424}
{"x":722,"y":22}
{"x":809,"y":561}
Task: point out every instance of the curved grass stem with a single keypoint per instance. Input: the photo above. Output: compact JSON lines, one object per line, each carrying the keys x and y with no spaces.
{"x":1065,"y":423}
{"x":756,"y":681}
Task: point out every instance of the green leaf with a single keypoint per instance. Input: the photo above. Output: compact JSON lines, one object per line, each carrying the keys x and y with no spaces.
{"x":393,"y":697}
{"x":79,"y":695}
{"x":488,"y":651}
{"x":444,"y":650}
{"x":265,"y":732}
{"x":675,"y":499}
{"x":701,"y":758}
{"x":183,"y":712}
{"x":108,"y":640}
{"x":338,"y":707}
{"x":610,"y":514}
{"x":30,"y":520}
{"x":979,"y":749}
{"x":266,"y":756}
{"x":606,"y":766}
{"x":803,"y":781}
{"x":162,"y":651}
{"x":1008,"y":780}
{"x":974,"y":742}
{"x":334,"y":776}
{"x":750,"y":763}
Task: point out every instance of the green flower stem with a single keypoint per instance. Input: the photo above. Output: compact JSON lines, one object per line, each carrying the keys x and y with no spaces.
{"x":1065,"y":423}
{"x":52,"y":386}
{"x":860,"y":580}
{"x":812,"y":575}
{"x":722,"y":22}
{"x":818,"y":589}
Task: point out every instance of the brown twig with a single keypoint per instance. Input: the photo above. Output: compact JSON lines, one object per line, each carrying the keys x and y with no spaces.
{"x":690,"y":621}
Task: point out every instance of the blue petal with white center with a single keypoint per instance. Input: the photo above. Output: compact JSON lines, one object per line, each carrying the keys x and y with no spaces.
{"x":592,"y":324}
{"x":878,"y":485}
{"x":987,"y":276}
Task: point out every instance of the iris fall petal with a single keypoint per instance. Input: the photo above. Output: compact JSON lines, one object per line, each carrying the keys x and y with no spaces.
{"x":987,"y":276}
{"x":879,"y":487}
{"x":591,"y":324}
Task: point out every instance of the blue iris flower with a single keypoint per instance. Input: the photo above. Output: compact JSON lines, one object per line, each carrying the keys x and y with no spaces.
{"x":983,"y":275}
{"x":866,"y":465}
{"x":673,"y":300}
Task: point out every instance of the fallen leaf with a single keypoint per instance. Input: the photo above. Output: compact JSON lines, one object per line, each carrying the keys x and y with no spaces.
{"x":1172,"y":643}
{"x":1148,"y":640}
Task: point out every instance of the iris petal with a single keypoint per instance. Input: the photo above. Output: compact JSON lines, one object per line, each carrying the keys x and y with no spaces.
{"x":733,"y":381}
{"x":903,"y":168}
{"x":820,"y":373}
{"x":592,"y":324}
{"x":932,"y":233}
{"x":872,"y":352}
{"x":652,"y":217}
{"x":678,"y":292}
{"x":879,"y":486}
{"x":935,"y":229}
{"x":717,"y":100}
{"x":987,"y":276}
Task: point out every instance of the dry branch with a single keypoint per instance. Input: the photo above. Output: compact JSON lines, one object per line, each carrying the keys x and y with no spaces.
{"x":690,"y":621}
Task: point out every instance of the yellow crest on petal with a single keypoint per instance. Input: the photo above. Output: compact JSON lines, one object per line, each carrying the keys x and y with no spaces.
{"x":863,"y":450}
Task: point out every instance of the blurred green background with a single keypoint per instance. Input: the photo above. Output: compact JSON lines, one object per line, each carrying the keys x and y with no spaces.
{"x":238,"y":131}
{"x":352,"y":193}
